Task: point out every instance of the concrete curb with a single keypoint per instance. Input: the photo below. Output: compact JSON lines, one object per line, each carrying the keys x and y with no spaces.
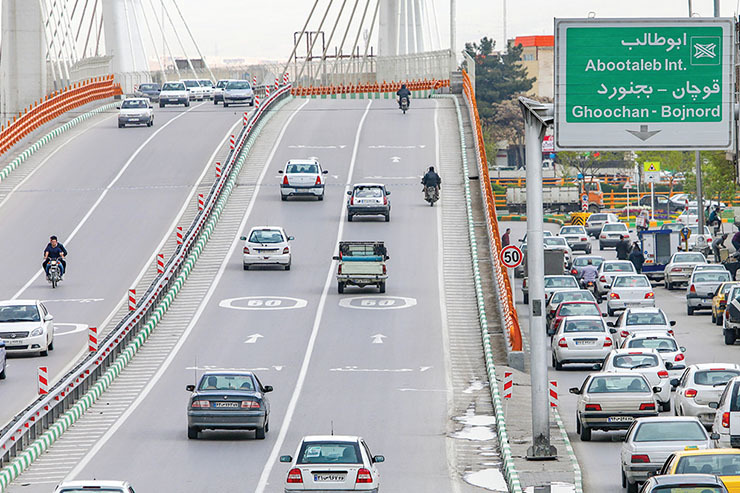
{"x":578,"y":478}
{"x":40,"y":445}
{"x":509,"y":469}
{"x":49,"y":137}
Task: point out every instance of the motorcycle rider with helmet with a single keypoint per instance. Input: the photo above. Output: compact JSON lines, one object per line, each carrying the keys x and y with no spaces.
{"x":55,"y":250}
{"x":431,"y":179}
{"x":403,"y":93}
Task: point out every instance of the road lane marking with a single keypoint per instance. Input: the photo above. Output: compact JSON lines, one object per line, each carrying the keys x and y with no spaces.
{"x":196,"y":316}
{"x":264,"y":303}
{"x":377,"y":302}
{"x":267,"y":470}
{"x":253,"y":338}
{"x":356,"y":369}
{"x":74,"y":300}
{"x":378,"y":338}
{"x":75,"y":328}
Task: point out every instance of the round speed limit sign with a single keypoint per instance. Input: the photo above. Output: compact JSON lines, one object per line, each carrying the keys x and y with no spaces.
{"x":511,"y":256}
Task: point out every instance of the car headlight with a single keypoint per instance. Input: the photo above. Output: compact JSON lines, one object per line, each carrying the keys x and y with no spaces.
{"x":37,"y":331}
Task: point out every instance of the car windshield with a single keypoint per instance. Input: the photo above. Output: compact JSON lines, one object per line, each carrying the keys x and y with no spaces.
{"x":579,"y":295}
{"x":673,"y":226}
{"x":19,"y":313}
{"x":226,"y":382}
{"x":191,"y":83}
{"x":237,"y":84}
{"x":619,"y":267}
{"x":615,"y":227}
{"x":149,"y":87}
{"x":266,"y":236}
{"x":572,"y":230}
{"x":710,"y":276}
{"x":134,"y":103}
{"x":692,"y":211}
{"x":630,"y":361}
{"x":714,"y":377}
{"x":726,"y":287}
{"x":650,"y":318}
{"x":670,"y":431}
{"x":607,"y":384}
{"x":691,"y":487}
{"x":368,"y":192}
{"x":302,"y":168}
{"x":581,"y":261}
{"x":596,"y":217}
{"x":173,"y":86}
{"x":662,"y":344}
{"x":83,"y":489}
{"x":695,"y":228}
{"x":719,"y":464}
{"x":568,"y":309}
{"x":206,"y":83}
{"x":560,"y":282}
{"x":689,"y":257}
{"x":553,"y":241}
{"x":329,"y":453}
{"x":631,"y":282}
{"x":221,"y":83}
{"x":584,"y":326}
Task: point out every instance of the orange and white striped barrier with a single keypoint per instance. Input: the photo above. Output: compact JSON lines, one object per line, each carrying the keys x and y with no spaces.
{"x":553,"y":393}
{"x":179,"y":235}
{"x":200,"y":201}
{"x":508,"y":384}
{"x":285,"y":78}
{"x":232,"y":141}
{"x":131,"y":299}
{"x":218,"y":170}
{"x":92,"y":339}
{"x":277,"y":83}
{"x":160,"y":263}
{"x":254,"y":80}
{"x":246,"y":119}
{"x":43,"y":380}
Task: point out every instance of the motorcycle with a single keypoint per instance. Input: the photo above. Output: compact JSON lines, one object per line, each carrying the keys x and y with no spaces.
{"x":431,"y":195}
{"x":590,"y":284}
{"x":404,"y":105}
{"x":54,"y":272}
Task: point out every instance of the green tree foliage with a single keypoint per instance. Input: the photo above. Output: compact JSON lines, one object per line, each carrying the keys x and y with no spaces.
{"x":678,"y":164}
{"x":585,"y":163}
{"x":718,"y":175}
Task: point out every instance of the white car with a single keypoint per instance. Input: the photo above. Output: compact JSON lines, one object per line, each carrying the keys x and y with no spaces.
{"x":664,"y":343}
{"x":727,"y":418}
{"x":267,"y":245}
{"x":195,"y":90}
{"x":87,"y":486}
{"x":612,"y":233}
{"x":174,"y":93}
{"x":698,"y":242}
{"x":3,"y":360}
{"x":552,"y":284}
{"x":558,"y":243}
{"x":135,"y":111}
{"x":207,"y":86}
{"x":545,"y":234}
{"x":606,"y":272}
{"x":26,"y":327}
{"x":634,"y":320}
{"x":576,"y":237}
{"x":681,"y":266}
{"x":302,"y":177}
{"x":692,"y":217}
{"x":698,"y":386}
{"x":595,"y":222}
{"x":332,"y":463}
{"x":580,"y":340}
{"x":629,"y":290}
{"x":646,"y":362}
{"x":218,"y":90}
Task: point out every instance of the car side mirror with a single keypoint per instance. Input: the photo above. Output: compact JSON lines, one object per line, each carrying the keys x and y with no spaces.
{"x":597,"y":366}
{"x":190,"y":388}
{"x":714,"y":436}
{"x":604,"y":315}
{"x":674,"y":382}
{"x":574,"y":390}
{"x":118,"y":107}
{"x":378,"y":459}
{"x":291,"y":238}
{"x":267,"y":388}
{"x":286,"y":458}
{"x":668,"y":365}
{"x":349,"y":192}
{"x":656,"y":390}
{"x":2,"y":344}
{"x":610,"y":324}
{"x":326,"y":171}
{"x":714,"y":405}
{"x":683,"y":349}
{"x":335,"y":257}
{"x":387,"y":192}
{"x":387,"y":257}
{"x":612,"y":331}
{"x":243,"y":238}
{"x":49,"y":317}
{"x":673,"y":323}
{"x":280,"y":171}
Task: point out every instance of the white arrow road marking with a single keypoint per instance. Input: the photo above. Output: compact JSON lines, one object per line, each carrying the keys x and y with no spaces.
{"x":392,"y":177}
{"x":378,"y":338}
{"x":396,"y":159}
{"x":253,"y":338}
{"x":221,"y":368}
{"x":278,"y":368}
{"x":424,"y":368}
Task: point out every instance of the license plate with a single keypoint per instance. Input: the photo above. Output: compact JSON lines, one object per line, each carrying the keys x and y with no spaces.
{"x":328,"y":478}
{"x":15,"y":342}
{"x":620,"y":419}
{"x":584,"y":342}
{"x":225,"y":404}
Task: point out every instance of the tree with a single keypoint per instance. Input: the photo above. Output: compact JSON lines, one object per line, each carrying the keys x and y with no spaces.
{"x":585,"y":163}
{"x":678,"y":165}
{"x":718,"y":175}
{"x":506,"y":123}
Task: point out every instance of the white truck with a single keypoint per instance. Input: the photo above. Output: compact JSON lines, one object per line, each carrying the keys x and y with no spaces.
{"x":361,"y":263}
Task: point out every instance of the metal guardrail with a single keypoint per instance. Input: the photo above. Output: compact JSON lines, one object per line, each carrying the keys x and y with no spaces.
{"x":33,"y":421}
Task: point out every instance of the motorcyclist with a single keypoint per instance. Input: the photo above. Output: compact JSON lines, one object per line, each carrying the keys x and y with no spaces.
{"x":589,"y":273}
{"x":55,"y":250}
{"x":431,"y":179}
{"x":403,"y":93}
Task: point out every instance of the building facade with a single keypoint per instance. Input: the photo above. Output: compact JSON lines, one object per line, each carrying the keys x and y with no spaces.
{"x":538,"y":57}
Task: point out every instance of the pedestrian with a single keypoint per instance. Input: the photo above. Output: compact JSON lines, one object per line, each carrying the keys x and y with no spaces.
{"x":736,"y":241}
{"x":623,"y":248}
{"x":717,"y":243}
{"x":637,"y":258}
{"x":506,"y":238}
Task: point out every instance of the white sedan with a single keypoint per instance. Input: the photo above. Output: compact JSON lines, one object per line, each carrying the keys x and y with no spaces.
{"x":302,"y":177}
{"x":135,"y":111}
{"x":606,"y":272}
{"x":26,"y":327}
{"x":629,"y":290}
{"x":332,"y":462}
{"x":681,"y":266}
{"x":98,"y":485}
{"x":699,"y":385}
{"x":267,"y":245}
{"x":646,"y":362}
{"x":580,"y":340}
{"x":664,"y":343}
{"x":633,"y":320}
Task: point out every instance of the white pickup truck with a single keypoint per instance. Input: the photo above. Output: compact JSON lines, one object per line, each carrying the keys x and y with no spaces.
{"x":361,"y":263}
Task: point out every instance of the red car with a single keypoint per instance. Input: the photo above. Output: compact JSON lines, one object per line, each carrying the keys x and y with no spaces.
{"x":573,"y":308}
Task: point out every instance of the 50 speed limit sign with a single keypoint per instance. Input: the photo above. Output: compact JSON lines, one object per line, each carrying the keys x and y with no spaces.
{"x":511,"y":256}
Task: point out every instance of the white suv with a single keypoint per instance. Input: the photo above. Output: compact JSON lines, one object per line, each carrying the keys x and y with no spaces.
{"x":302,"y":177}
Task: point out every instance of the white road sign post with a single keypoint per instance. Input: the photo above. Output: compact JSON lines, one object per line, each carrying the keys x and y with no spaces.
{"x":630,"y":84}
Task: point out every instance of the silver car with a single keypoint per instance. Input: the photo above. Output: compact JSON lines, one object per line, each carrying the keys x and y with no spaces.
{"x":582,"y":261}
{"x":237,"y":92}
{"x":611,"y":233}
{"x":702,"y":287}
{"x":664,"y":343}
{"x":699,"y":385}
{"x":607,"y":270}
{"x":634,"y":320}
{"x":629,"y":290}
{"x":368,"y":199}
{"x":563,"y":295}
{"x":595,"y":222}
{"x":580,"y":340}
{"x":681,"y":266}
{"x":649,"y":364}
{"x":552,"y":284}
{"x":650,"y":441}
{"x":576,"y":237}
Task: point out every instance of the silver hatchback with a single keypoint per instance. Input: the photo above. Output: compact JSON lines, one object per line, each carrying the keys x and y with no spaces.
{"x":368,"y":199}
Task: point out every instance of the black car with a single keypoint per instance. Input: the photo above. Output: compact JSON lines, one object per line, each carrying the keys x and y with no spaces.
{"x":233,"y":400}
{"x":662,"y":204}
{"x":702,"y":483}
{"x":149,"y":90}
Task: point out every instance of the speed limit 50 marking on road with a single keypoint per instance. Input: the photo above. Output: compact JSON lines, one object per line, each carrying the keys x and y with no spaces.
{"x":511,"y":256}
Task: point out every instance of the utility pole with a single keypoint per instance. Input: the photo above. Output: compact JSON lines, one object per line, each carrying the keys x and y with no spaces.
{"x":453,"y":42}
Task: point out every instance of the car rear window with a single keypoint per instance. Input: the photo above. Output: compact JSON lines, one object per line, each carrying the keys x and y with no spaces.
{"x":329,"y":453}
{"x":631,"y":282}
{"x":226,"y":382}
{"x":580,"y":295}
{"x":714,"y":377}
{"x":237,"y":85}
{"x":561,"y":282}
{"x":555,"y":241}
{"x":302,"y":168}
{"x":149,"y":87}
{"x":673,"y":226}
{"x":669,"y":431}
{"x":266,"y":236}
{"x":573,"y":230}
{"x":619,"y":267}
{"x":581,"y":261}
{"x":607,"y":384}
{"x":615,"y":227}
{"x":584,"y":326}
{"x":134,"y":103}
{"x":368,"y":192}
{"x":692,"y":487}
{"x":596,"y":217}
{"x":689,"y":257}
{"x":719,"y":464}
{"x":568,"y":309}
{"x":661,"y":344}
{"x":655,"y":318}
{"x":712,"y":277}
{"x":632,"y":361}
{"x":88,"y":490}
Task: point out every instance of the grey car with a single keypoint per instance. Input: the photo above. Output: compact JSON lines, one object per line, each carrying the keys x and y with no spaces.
{"x":582,"y":261}
{"x":149,"y":90}
{"x":3,"y":360}
{"x":233,"y":400}
{"x":576,"y":237}
{"x":238,"y":92}
{"x":596,"y":221}
{"x":611,"y":233}
{"x":368,"y":199}
{"x":701,"y":289}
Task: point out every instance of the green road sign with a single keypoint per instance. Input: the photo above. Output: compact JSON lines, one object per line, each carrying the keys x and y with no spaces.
{"x":637,"y":84}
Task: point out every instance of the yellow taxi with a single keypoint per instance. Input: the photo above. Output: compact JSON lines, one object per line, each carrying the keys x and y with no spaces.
{"x":724,"y":462}
{"x":719,"y":301}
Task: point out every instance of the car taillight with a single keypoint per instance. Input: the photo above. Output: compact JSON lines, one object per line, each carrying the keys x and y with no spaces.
{"x":385,"y":200}
{"x":608,"y":342}
{"x":725,"y":420}
{"x":593,"y":407}
{"x":676,"y":269}
{"x":574,"y":272}
{"x":602,"y":279}
{"x":246,"y":250}
{"x":614,"y":296}
{"x":562,"y":342}
{"x":663,"y":374}
{"x":584,"y":239}
{"x":603,"y":236}
{"x":624,"y":333}
{"x":727,"y":314}
{"x":647,"y":406}
{"x":552,"y":313}
{"x":352,"y":200}
{"x":318,"y":180}
{"x":679,"y":357}
{"x":339,"y":269}
{"x":364,"y":476}
{"x":385,"y":271}
{"x":692,"y":289}
{"x":295,"y":476}
{"x":250,"y":405}
{"x":286,"y":250}
{"x":524,"y":283}
{"x":640,"y":458}
{"x":690,"y":393}
{"x":670,"y":331}
{"x":285,"y":180}
{"x":650,"y":295}
{"x":201,"y":404}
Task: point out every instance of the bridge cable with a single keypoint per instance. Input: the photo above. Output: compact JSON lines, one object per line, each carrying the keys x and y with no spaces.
{"x":344,"y":38}
{"x":310,"y":49}
{"x":203,"y":59}
{"x":367,"y":45}
{"x":322,"y":63}
{"x":89,"y":28}
{"x":357,"y":38}
{"x":154,"y":43}
{"x":164,"y":39}
{"x":179,"y":41}
{"x":295,"y":47}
